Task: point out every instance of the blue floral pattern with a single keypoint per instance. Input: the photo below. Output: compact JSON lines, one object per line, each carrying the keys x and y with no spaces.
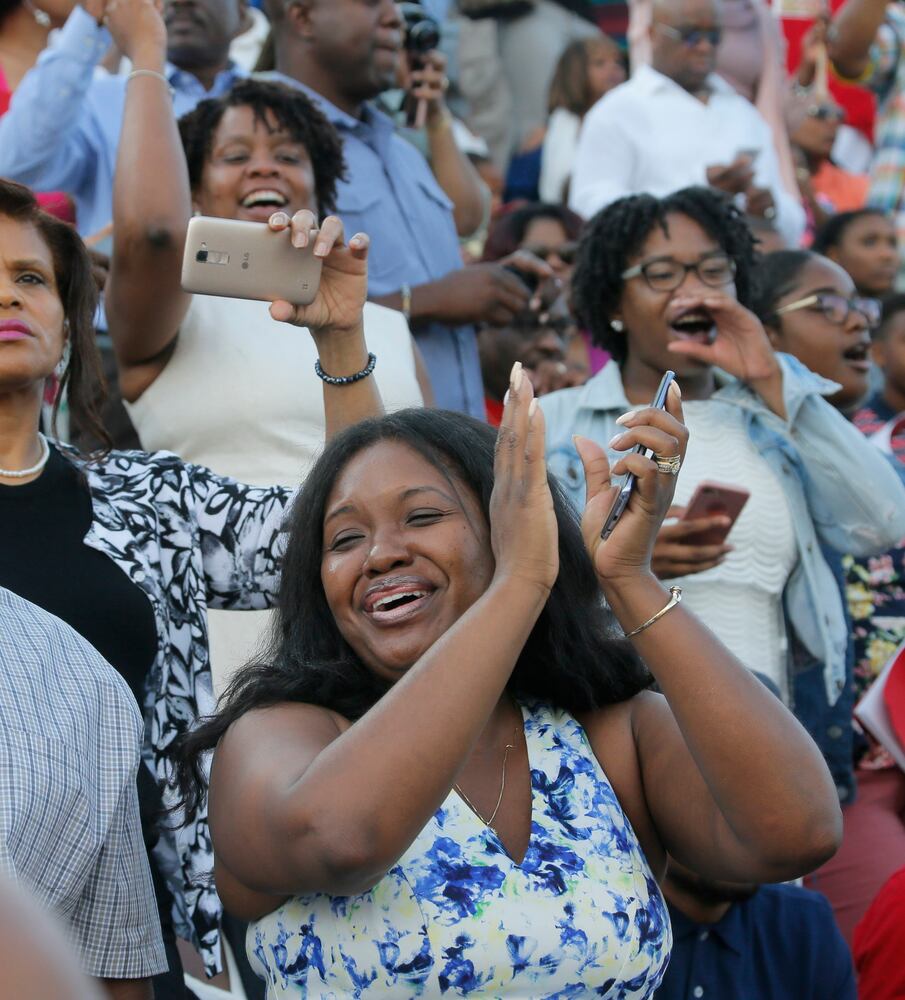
{"x":580,"y":916}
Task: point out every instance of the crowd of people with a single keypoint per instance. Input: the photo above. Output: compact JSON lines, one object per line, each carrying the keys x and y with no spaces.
{"x":327,"y":668}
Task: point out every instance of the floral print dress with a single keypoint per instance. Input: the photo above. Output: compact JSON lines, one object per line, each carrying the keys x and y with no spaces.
{"x":580,"y":916}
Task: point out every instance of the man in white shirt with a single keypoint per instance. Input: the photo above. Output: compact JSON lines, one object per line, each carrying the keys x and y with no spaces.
{"x":676,"y":123}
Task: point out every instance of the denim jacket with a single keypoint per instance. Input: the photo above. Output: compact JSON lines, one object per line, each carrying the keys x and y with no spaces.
{"x":841,"y":491}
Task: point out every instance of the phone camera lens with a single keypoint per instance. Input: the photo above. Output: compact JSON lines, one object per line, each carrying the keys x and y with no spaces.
{"x":201,"y":256}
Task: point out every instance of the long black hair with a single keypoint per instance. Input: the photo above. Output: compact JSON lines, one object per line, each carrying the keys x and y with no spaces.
{"x":616,"y":234}
{"x":571,"y":658}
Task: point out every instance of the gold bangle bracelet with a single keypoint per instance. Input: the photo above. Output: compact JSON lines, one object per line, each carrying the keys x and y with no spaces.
{"x":675,"y":598}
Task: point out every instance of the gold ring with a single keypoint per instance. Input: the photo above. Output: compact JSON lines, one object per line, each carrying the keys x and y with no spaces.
{"x":668,"y":465}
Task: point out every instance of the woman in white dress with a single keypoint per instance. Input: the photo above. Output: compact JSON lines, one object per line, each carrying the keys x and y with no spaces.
{"x":220,"y":381}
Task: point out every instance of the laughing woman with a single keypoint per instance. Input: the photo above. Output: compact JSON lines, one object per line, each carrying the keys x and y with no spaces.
{"x":220,"y":381}
{"x":446,"y":778}
{"x":667,"y":283}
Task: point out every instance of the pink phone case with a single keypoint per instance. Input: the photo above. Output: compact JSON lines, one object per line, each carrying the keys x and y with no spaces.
{"x":709,"y":500}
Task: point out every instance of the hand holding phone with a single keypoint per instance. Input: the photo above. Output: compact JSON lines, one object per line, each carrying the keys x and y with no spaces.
{"x":712,"y":500}
{"x":625,"y":493}
{"x":248,"y":260}
{"x":337,"y":303}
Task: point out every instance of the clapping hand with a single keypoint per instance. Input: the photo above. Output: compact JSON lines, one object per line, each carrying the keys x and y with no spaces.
{"x":524,"y":533}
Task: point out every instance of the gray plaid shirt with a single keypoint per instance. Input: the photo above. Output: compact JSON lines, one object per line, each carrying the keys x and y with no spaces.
{"x":70,"y":738}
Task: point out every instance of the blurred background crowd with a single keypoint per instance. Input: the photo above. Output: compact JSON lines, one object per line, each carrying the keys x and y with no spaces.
{"x":570,"y":184}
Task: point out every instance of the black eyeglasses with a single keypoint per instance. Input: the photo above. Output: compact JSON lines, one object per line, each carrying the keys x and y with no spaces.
{"x":692,"y":36}
{"x":836,"y":308}
{"x":665,"y":274}
{"x":826,"y":113}
{"x":565,"y":251}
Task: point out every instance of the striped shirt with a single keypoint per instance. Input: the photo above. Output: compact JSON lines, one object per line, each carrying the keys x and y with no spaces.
{"x":70,"y":739}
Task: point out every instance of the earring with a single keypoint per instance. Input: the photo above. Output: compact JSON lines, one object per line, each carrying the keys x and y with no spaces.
{"x":63,"y":364}
{"x":41,"y":16}
{"x":616,"y":324}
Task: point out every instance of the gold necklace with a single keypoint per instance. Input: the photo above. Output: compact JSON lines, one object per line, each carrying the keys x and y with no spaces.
{"x":496,"y":809}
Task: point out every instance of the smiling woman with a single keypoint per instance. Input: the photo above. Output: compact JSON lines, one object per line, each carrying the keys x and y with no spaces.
{"x":219,"y":380}
{"x":444,"y":776}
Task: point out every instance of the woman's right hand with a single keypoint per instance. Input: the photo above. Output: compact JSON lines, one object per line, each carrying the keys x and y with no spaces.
{"x":524,"y":532}
{"x":338,"y":306}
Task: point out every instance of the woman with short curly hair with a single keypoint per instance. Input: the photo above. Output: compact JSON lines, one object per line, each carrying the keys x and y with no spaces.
{"x":667,"y":283}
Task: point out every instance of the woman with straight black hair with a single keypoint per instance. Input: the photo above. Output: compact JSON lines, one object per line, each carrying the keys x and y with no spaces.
{"x":447,"y":775}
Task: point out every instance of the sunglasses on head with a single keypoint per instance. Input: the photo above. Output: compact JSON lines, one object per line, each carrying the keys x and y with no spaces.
{"x":826,"y":113}
{"x":565,"y":251}
{"x":691,"y":36}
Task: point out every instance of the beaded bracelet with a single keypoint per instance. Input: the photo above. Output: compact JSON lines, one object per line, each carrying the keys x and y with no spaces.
{"x":345,"y":379}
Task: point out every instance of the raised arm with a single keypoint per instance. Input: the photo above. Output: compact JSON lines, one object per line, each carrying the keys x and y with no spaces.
{"x":151,"y":206}
{"x":736,"y":788}
{"x":851,"y":35}
{"x":339,"y":814}
{"x":452,"y":168}
{"x":46,"y":137}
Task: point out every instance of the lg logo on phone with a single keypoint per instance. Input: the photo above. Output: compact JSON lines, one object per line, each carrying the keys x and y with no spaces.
{"x":245,"y":257}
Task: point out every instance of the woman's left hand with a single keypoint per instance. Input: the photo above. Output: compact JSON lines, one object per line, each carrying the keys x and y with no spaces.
{"x":343,"y":289}
{"x":627,"y":552}
{"x":741,"y":347}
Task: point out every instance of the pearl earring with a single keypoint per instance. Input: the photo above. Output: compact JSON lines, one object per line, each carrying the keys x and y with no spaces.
{"x":41,"y":16}
{"x":616,"y":324}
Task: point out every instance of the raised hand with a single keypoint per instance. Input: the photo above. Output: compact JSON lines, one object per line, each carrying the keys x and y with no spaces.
{"x":741,"y":346}
{"x":343,"y":290}
{"x":138,"y":30}
{"x":523,"y":530}
{"x":428,"y":83}
{"x":629,"y":549}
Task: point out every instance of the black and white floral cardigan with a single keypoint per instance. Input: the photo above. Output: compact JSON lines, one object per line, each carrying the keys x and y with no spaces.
{"x":190,"y":540}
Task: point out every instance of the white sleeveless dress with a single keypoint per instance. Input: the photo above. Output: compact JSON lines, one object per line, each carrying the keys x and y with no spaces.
{"x":580,"y":916}
{"x":240,"y":396}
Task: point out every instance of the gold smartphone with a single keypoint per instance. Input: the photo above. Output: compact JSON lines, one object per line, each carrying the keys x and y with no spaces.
{"x":248,"y":260}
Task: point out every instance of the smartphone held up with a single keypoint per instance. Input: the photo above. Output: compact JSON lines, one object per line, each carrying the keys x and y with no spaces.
{"x":625,"y":493}
{"x":248,"y":260}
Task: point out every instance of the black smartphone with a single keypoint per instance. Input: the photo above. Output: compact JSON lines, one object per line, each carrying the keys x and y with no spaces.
{"x":658,"y":403}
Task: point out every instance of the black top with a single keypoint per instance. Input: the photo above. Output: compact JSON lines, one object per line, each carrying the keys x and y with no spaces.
{"x":43,"y":558}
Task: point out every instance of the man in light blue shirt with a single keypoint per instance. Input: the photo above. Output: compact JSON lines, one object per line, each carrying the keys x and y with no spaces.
{"x":62,"y":129}
{"x":344,"y":53}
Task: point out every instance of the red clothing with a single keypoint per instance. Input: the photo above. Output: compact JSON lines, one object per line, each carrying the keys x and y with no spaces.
{"x":859,"y":103}
{"x":494,"y":410}
{"x":880,"y":943}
